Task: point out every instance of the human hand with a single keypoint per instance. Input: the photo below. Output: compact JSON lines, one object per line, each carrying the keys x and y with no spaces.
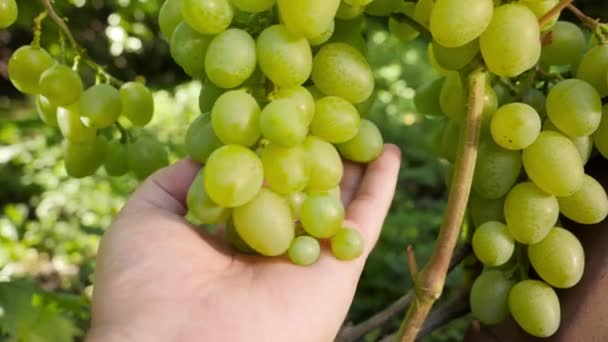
{"x":159,"y":279}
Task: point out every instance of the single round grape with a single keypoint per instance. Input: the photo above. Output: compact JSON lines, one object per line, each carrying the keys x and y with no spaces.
{"x":484,"y":210}
{"x":46,"y":111}
{"x":452,"y":98}
{"x":253,"y":6}
{"x":515,"y":126}
{"x":304,"y":250}
{"x":574,"y":107}
{"x":83,"y":159}
{"x":490,"y":106}
{"x":116,"y":163}
{"x":188,"y":50}
{"x":600,"y":137}
{"x":236,"y":240}
{"x":382,"y":8}
{"x":402,"y":30}
{"x":567,"y":45}
{"x":201,"y":206}
{"x":457,"y":22}
{"x":324,"y":36}
{"x":201,"y":140}
{"x":584,"y":145}
{"x":492,"y":244}
{"x":234,"y":175}
{"x":296,"y":200}
{"x":230,"y":58}
{"x":236,"y":118}
{"x":207,"y":16}
{"x":593,"y":68}
{"x":286,"y":170}
{"x":8,"y":13}
{"x":336,"y":120}
{"x":282,"y":124}
{"x":496,"y":170}
{"x":450,"y":140}
{"x":265,"y":223}
{"x":536,"y":99}
{"x":347,"y":12}
{"x":540,"y":8}
{"x":589,"y":205}
{"x":100,"y":106}
{"x":209,"y":94}
{"x":137,"y":103}
{"x":427,"y":97}
{"x":169,"y":16}
{"x":366,"y":146}
{"x":535,"y":307}
{"x":146,"y":155}
{"x":60,"y":85}
{"x":490,"y":297}
{"x":554,"y":164}
{"x":285,"y":58}
{"x":455,"y":58}
{"x":326,"y":167}
{"x":347,"y":244}
{"x":301,"y":97}
{"x":340,"y":70}
{"x":321,"y":215}
{"x":530,"y":213}
{"x":25,"y":67}
{"x":511,"y":43}
{"x":71,"y":125}
{"x":308,"y":18}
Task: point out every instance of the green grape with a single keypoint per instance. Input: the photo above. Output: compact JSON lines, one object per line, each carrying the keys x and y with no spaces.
{"x":60,"y":85}
{"x":323,"y":37}
{"x":25,"y":67}
{"x":286,"y":170}
{"x":71,"y":125}
{"x":593,"y":68}
{"x":282,"y":124}
{"x":253,"y":6}
{"x":485,"y":210}
{"x":46,"y":111}
{"x":402,"y":30}
{"x":137,"y":103}
{"x":321,"y":215}
{"x":536,"y":99}
{"x":490,"y":106}
{"x":207,"y":16}
{"x":335,"y":120}
{"x":574,"y":107}
{"x":308,"y":18}
{"x":169,"y":16}
{"x":265,"y":223}
{"x":450,"y":140}
{"x":455,"y":58}
{"x":457,"y":22}
{"x":496,"y":170}
{"x":427,"y":97}
{"x":301,"y":97}
{"x":146,"y":155}
{"x":234,"y":176}
{"x":589,"y":205}
{"x":567,"y":45}
{"x":235,"y":118}
{"x":8,"y":13}
{"x":600,"y":137}
{"x":304,"y":250}
{"x":554,"y":164}
{"x":315,"y":92}
{"x":382,"y":8}
{"x":231,"y":58}
{"x":503,"y":94}
{"x":347,"y":12}
{"x":347,"y":244}
{"x":350,"y":32}
{"x":584,"y":145}
{"x":236,"y":240}
{"x":326,"y":167}
{"x":188,"y":50}
{"x":201,"y":206}
{"x":285,"y":58}
{"x":511,"y":43}
{"x":515,"y":126}
{"x":366,"y":146}
{"x":83,"y":159}
{"x":540,"y":8}
{"x":490,"y":297}
{"x":535,"y":307}
{"x":340,"y":70}
{"x":201,"y":140}
{"x":530,"y":213}
{"x":296,"y":200}
{"x":492,"y":244}
{"x":117,"y":159}
{"x":209,"y":94}
{"x":100,"y":106}
{"x":452,"y":98}
{"x":423,"y":10}
{"x":359,"y":3}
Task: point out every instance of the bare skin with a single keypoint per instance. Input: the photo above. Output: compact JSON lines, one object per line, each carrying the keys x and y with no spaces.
{"x":158,"y":279}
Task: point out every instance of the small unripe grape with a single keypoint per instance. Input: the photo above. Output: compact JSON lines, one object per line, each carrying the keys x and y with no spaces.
{"x":458,"y":22}
{"x":347,"y":244}
{"x":347,"y":12}
{"x":231,"y":58}
{"x":490,"y":297}
{"x":366,"y":146}
{"x":496,"y":170}
{"x":236,"y":118}
{"x":322,"y":215}
{"x":382,"y":8}
{"x":304,"y":250}
{"x":146,"y":155}
{"x":535,"y":307}
{"x":25,"y":67}
{"x":116,"y":163}
{"x":83,"y":159}
{"x":60,"y":85}
{"x":201,"y":140}
{"x":455,"y":58}
{"x":402,"y":30}
{"x":427,"y":97}
{"x":100,"y":106}
{"x":207,"y":16}
{"x":137,"y":103}
{"x":594,"y":67}
{"x":452,"y":98}
{"x":209,"y":94}
{"x":484,"y":210}
{"x":492,"y":244}
{"x":336,"y":120}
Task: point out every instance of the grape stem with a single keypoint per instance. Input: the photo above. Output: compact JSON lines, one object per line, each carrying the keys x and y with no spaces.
{"x":555,"y":11}
{"x":404,"y":18}
{"x":430,"y":281}
{"x":591,"y":23}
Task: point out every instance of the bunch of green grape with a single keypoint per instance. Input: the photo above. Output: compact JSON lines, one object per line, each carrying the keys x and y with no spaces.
{"x":542,"y":118}
{"x":281,"y":105}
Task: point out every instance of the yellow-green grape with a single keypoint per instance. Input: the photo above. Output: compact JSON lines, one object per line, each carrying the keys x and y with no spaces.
{"x":492,"y":244}
{"x":540,"y":8}
{"x":347,"y":244}
{"x":326,"y":167}
{"x":452,"y":98}
{"x":427,"y":97}
{"x":515,"y":126}
{"x":566,"y":47}
{"x":554,"y":164}
{"x":382,"y":8}
{"x":490,"y":106}
{"x":201,"y":206}
{"x":83,"y":159}
{"x":584,"y":145}
{"x":116,"y":163}
{"x":321,"y":215}
{"x":304,"y":250}
{"x":25,"y":67}
{"x":100,"y":106}
{"x":600,"y":137}
{"x":209,"y":94}
{"x":530,"y":213}
{"x":169,"y":16}
{"x":347,"y":12}
{"x":265,"y":223}
{"x":574,"y":107}
{"x":188,"y":50}
{"x":207,"y":16}
{"x":8,"y":13}
{"x":236,"y":118}
{"x":46,"y":111}
{"x":60,"y":85}
{"x":286,"y":170}
{"x":455,"y":58}
{"x":593,"y":68}
{"x":511,"y":44}
{"x":236,"y":240}
{"x":137,"y":103}
{"x":490,"y":297}
{"x":324,"y":36}
{"x":71,"y":125}
{"x":336,"y":120}
{"x":484,"y":210}
{"x":296,"y":200}
{"x":308,"y":18}
{"x":201,"y":140}
{"x":231,"y":58}
{"x":450,"y":140}
{"x":458,"y":22}
{"x":357,"y":2}
{"x":233,"y":176}
{"x":282,"y":124}
{"x":558,"y":259}
{"x":285,"y":58}
{"x":535,"y":307}
{"x":366,"y":146}
{"x":340,"y":70}
{"x":253,"y":6}
{"x":402,"y":30}
{"x":146,"y":155}
{"x":589,"y":205}
{"x":423,"y":10}
{"x":301,"y":97}
{"x":496,"y":171}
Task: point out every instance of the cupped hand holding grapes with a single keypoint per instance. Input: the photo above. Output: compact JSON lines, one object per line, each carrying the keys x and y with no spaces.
{"x":158,"y":279}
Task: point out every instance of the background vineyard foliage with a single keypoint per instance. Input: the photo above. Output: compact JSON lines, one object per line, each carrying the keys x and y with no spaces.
{"x":50,"y":225}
